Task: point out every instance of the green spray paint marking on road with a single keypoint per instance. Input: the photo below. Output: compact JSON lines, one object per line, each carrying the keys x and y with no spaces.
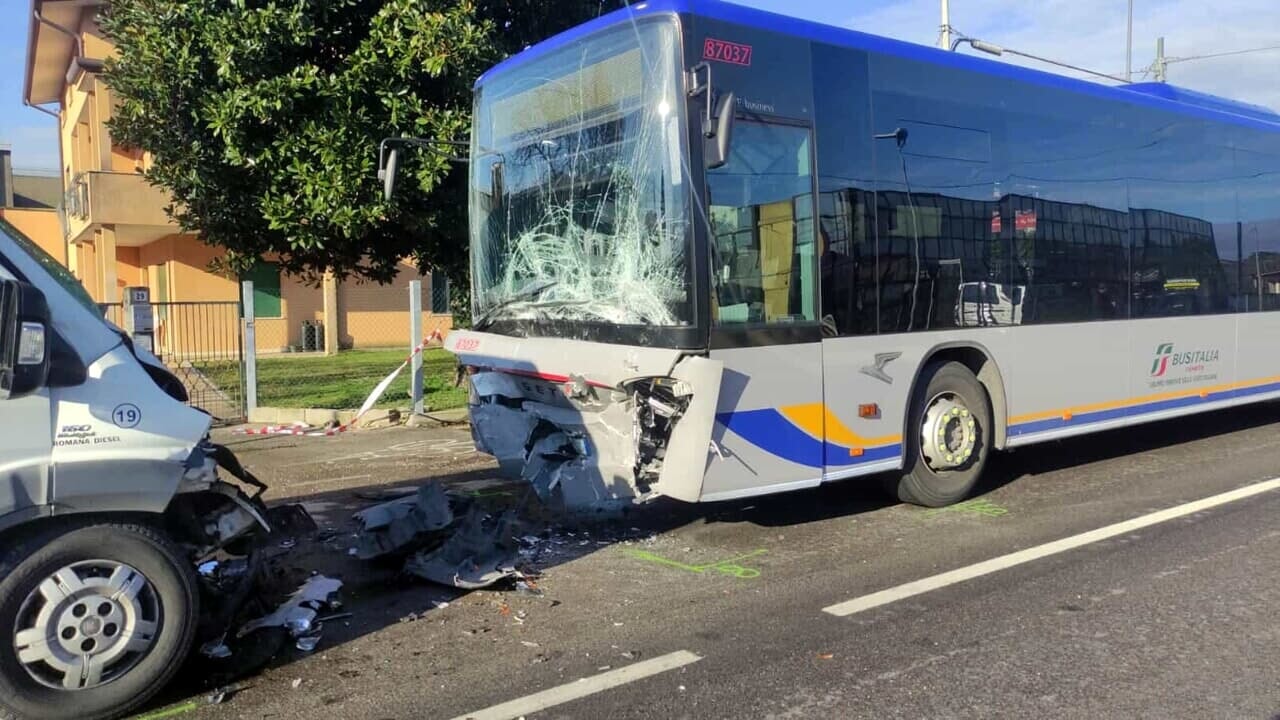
{"x":725,"y":567}
{"x":171,"y":711}
{"x":977,"y":506}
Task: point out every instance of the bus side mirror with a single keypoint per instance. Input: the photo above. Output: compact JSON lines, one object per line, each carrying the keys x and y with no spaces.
{"x":387,"y":172}
{"x":719,"y":138}
{"x":497,"y":182}
{"x":24,"y":339}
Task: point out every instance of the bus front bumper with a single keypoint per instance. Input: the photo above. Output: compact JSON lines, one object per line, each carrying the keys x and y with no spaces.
{"x":594,"y":442}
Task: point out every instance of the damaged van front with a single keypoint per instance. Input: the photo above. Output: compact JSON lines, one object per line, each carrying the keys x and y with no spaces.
{"x":585,"y":366}
{"x":110,"y":497}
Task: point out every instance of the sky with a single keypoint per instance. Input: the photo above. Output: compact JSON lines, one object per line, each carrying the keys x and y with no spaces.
{"x":1088,"y":33}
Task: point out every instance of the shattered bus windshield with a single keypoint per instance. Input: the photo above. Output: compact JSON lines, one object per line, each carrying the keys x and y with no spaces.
{"x":578,"y":198}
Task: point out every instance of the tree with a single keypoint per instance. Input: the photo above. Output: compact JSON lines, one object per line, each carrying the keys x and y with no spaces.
{"x":263,"y":119}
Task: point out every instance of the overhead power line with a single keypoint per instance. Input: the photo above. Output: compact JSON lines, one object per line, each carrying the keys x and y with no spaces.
{"x":1223,"y":54}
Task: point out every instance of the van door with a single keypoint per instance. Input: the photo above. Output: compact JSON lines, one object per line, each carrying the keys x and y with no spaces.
{"x":26,"y":449}
{"x":764,"y":317}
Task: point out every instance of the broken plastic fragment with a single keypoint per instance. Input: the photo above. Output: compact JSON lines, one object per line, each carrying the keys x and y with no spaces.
{"x":477,"y":555}
{"x":308,"y":643}
{"x":216,"y":649}
{"x":400,"y":524}
{"x":298,"y":613}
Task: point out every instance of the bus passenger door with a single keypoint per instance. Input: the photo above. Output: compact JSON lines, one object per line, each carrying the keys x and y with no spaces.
{"x":769,"y":432}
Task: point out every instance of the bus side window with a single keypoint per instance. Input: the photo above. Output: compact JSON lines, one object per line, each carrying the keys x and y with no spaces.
{"x":764,"y":264}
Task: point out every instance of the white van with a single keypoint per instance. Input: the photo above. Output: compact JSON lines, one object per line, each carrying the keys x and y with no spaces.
{"x":109,"y":498}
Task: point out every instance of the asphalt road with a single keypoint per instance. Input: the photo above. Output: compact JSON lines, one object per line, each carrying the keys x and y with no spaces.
{"x":1176,"y":619}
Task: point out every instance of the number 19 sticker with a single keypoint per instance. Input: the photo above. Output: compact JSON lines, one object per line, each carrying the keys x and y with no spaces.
{"x":126,"y":416}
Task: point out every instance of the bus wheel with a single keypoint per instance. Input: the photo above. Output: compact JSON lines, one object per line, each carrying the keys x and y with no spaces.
{"x":946,"y":445}
{"x":96,"y":619}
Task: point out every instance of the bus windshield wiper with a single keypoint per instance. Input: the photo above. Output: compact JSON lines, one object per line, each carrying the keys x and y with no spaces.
{"x":528,"y":293}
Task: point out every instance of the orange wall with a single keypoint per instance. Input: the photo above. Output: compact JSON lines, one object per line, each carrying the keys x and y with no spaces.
{"x":43,"y":227}
{"x":372,"y":315}
{"x":189,"y":276}
{"x":298,"y":302}
{"x":87,"y":268}
{"x":129,"y":269}
{"x":369,"y":315}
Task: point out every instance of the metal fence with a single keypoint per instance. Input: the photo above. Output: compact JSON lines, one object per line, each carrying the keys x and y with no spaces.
{"x":294,"y":367}
{"x":299,"y":357}
{"x":202,"y":344}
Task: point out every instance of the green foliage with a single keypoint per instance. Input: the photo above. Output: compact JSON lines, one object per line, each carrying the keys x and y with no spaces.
{"x":343,"y":381}
{"x":263,"y":119}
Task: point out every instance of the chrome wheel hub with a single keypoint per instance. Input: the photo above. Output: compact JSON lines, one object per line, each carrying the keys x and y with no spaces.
{"x":949,"y":433}
{"x":87,"y":624}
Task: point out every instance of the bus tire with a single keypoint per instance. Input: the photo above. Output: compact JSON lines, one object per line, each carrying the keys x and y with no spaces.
{"x":948,"y":428}
{"x":97,"y":616}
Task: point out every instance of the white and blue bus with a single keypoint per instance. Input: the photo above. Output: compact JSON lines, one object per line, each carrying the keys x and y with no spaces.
{"x":719,"y":253}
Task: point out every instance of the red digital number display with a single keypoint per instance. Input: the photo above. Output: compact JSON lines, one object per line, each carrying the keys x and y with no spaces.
{"x":726,"y":52}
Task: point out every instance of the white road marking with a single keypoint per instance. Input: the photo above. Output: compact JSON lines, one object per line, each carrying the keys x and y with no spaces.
{"x":918,"y":587}
{"x":582,"y":688}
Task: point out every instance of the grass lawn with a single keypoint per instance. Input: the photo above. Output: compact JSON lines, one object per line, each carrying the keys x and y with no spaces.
{"x":343,"y":381}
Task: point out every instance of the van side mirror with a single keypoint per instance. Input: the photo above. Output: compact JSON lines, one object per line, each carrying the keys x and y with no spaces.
{"x":24,"y":339}
{"x":719,"y":134}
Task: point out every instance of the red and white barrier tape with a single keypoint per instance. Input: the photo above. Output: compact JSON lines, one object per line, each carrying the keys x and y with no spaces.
{"x":305,"y":430}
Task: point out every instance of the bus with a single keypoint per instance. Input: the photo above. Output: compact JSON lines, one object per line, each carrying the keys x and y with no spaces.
{"x":719,"y":253}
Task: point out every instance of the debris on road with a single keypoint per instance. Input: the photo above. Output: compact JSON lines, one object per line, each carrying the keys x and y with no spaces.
{"x":479,"y":553}
{"x":298,"y":613}
{"x":222,"y":694}
{"x":403,"y":524}
{"x":216,"y":649}
{"x":308,"y":643}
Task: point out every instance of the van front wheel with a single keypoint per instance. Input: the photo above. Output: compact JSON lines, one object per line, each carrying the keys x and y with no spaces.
{"x":96,"y":617}
{"x":948,"y":437}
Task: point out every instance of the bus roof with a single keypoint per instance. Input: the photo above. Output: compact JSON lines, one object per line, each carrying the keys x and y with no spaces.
{"x":1162,"y":95}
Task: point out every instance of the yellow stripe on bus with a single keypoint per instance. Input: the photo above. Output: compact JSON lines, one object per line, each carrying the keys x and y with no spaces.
{"x":1141,"y":400}
{"x":818,"y":421}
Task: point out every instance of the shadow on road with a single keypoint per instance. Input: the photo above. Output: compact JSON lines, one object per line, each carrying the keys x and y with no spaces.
{"x":378,"y":594}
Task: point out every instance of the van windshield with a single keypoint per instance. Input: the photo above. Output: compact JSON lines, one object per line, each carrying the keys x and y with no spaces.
{"x":55,"y":269}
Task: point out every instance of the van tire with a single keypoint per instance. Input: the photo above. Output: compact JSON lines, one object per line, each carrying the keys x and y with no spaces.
{"x":946,"y":392}
{"x":170,"y":591}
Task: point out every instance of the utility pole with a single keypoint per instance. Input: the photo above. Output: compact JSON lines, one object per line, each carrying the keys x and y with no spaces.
{"x":1128,"y":55}
{"x":1161,"y":66}
{"x":944,"y":38}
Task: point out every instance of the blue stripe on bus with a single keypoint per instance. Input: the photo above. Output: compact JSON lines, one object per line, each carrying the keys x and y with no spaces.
{"x":771,"y":431}
{"x":838,"y":456}
{"x":1037,"y":426}
{"x":768,"y":430}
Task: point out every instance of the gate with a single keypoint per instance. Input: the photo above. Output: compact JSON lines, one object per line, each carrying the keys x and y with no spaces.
{"x":202,"y":344}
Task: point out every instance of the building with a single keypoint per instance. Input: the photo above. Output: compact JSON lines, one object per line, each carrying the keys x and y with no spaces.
{"x":29,"y":201}
{"x":115,"y":233}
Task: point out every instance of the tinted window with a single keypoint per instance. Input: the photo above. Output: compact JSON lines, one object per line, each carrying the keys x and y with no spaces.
{"x":1063,"y":209}
{"x":1258,"y":174}
{"x":1182,"y":195}
{"x":985,"y":201}
{"x":939,"y":169}
{"x":846,"y":205}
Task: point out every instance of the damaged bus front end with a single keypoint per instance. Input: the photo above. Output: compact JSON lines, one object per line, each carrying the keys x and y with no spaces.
{"x":587,"y":368}
{"x":590,"y":425}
